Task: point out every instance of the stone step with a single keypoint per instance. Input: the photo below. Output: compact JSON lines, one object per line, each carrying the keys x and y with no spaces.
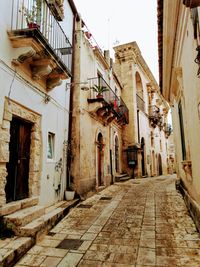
{"x":18,"y":205}
{"x":122,"y":177}
{"x":44,"y":223}
{"x":23,"y":217}
{"x":12,"y":249}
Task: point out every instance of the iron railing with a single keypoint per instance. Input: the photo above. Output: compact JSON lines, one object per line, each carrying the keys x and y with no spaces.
{"x":167,"y":129}
{"x":36,"y":15}
{"x":140,"y":103}
{"x":109,"y":96}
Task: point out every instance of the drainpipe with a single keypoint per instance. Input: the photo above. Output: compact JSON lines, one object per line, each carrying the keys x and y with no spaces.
{"x":71,"y":108}
{"x":138,"y":125}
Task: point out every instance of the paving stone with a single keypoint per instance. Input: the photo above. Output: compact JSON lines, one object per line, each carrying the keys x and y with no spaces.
{"x":70,"y":260}
{"x":51,"y":261}
{"x":32,"y":260}
{"x":168,"y":261}
{"x":146,"y":256}
{"x":90,"y":263}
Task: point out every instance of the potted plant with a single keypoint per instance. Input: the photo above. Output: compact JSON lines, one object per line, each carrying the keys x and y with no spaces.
{"x":32,"y":15}
{"x":99,"y":89}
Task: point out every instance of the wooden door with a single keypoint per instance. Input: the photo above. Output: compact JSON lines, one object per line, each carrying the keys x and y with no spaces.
{"x":100,"y":159}
{"x":116,"y":154}
{"x":18,"y":165}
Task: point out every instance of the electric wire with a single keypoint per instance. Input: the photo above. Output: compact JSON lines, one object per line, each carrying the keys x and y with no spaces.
{"x":31,"y":86}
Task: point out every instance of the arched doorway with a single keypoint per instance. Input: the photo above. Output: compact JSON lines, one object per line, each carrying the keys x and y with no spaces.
{"x":116,"y":154}
{"x":159,"y":165}
{"x":143,"y":156}
{"x":100,"y":159}
{"x":153,"y":163}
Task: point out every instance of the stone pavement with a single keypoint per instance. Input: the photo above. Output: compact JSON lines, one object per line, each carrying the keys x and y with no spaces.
{"x":141,"y":222}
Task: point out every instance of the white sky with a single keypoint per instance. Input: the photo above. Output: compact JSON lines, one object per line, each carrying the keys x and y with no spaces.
{"x":112,"y":21}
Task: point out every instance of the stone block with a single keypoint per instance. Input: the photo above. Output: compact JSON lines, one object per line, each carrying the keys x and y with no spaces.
{"x":5,"y":135}
{"x":29,"y":202}
{"x":23,"y":217}
{"x":4,"y":152}
{"x":7,"y":116}
{"x":10,"y":208}
{"x":6,"y":124}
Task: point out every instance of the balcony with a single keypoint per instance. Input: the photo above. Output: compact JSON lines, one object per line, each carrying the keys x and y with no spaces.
{"x":167,"y":130}
{"x":106,"y":104}
{"x":155,"y":117}
{"x":47,"y":55}
{"x":140,"y":103}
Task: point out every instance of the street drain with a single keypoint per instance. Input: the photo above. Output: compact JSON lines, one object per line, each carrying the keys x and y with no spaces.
{"x":84,"y":206}
{"x":70,"y":244}
{"x":51,"y":234}
{"x":105,"y":198}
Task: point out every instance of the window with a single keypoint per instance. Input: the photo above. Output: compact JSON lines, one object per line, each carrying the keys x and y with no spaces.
{"x":51,"y":144}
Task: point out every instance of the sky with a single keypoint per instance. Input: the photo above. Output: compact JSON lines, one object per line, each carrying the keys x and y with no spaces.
{"x":114,"y":22}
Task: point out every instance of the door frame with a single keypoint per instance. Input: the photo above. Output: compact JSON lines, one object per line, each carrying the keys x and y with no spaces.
{"x":13,"y":108}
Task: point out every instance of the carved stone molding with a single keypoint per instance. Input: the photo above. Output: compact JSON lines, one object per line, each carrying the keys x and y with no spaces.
{"x":187,"y":167}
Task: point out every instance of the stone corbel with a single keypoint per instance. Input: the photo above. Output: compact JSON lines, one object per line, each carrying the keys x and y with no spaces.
{"x":187,"y":167}
{"x":191,"y":3}
{"x":41,"y":68}
{"x":177,"y":83}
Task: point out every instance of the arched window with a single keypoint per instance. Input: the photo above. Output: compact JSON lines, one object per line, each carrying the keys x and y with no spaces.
{"x":139,"y":86}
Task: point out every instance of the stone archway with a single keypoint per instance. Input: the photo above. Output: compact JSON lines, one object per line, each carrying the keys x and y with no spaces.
{"x":153,"y":164}
{"x":116,"y":154}
{"x":100,"y":159}
{"x":11,"y":109}
{"x":160,"y":172}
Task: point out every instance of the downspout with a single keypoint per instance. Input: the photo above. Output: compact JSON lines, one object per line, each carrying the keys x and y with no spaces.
{"x":70,"y":110}
{"x":138,"y":125}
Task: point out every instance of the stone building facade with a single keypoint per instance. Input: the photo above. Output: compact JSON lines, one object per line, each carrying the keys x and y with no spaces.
{"x":179,"y":59}
{"x":129,"y":117}
{"x":148,"y":126}
{"x":97,"y":119}
{"x":34,"y":103}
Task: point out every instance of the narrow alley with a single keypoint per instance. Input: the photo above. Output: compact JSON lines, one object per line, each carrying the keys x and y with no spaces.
{"x":140,"y":222}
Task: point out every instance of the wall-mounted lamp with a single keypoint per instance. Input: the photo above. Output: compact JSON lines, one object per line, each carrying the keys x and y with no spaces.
{"x":132,"y":156}
{"x":197,"y":60}
{"x":84,"y":87}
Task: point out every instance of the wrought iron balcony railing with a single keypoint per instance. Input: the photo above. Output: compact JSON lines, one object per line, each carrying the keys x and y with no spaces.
{"x":167,"y":129}
{"x":101,"y":91}
{"x":140,"y":103}
{"x":154,"y":112}
{"x":35,"y":18}
{"x":155,"y":117}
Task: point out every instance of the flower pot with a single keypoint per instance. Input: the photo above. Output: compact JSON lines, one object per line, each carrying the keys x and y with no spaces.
{"x":99,"y":96}
{"x":69,"y":195}
{"x":33,"y":25}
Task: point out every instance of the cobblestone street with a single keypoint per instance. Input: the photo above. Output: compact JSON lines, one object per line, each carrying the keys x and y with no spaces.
{"x":141,"y":222}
